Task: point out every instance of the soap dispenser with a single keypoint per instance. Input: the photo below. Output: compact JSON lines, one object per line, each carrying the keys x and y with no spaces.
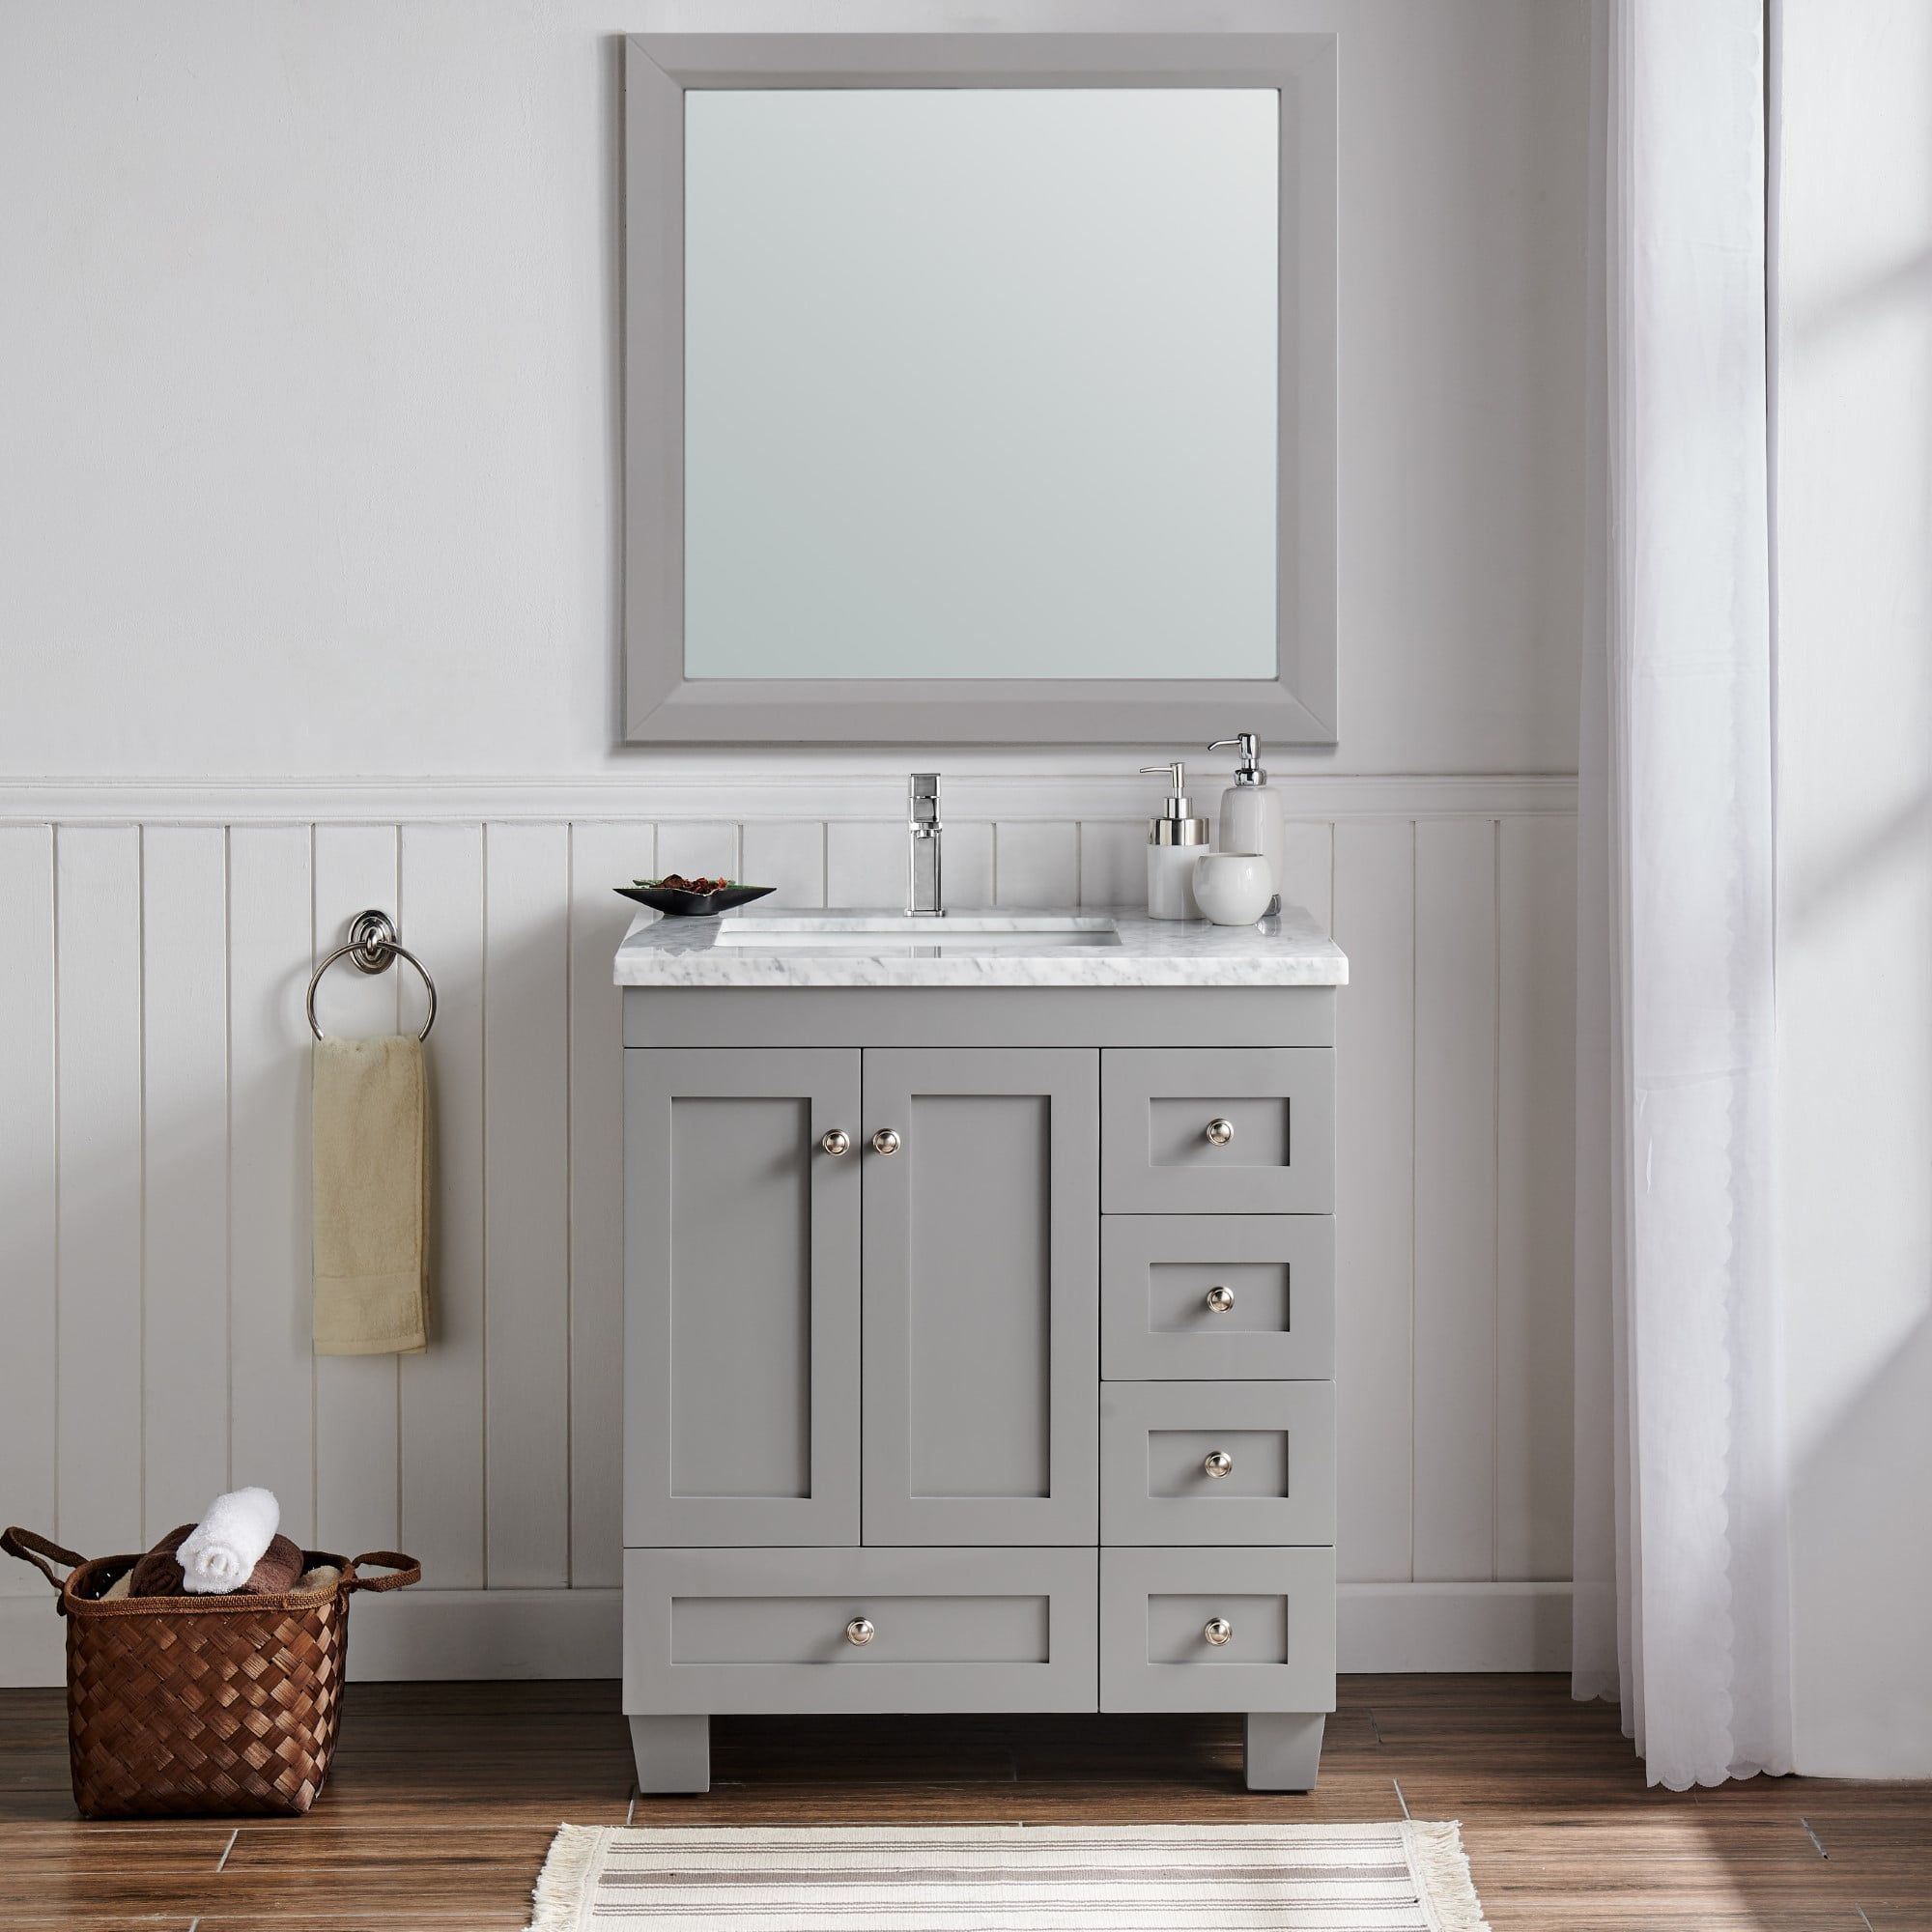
{"x":1175,"y":841}
{"x":1251,"y":809}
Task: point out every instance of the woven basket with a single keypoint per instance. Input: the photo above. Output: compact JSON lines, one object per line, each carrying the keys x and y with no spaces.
{"x":182,"y":1706}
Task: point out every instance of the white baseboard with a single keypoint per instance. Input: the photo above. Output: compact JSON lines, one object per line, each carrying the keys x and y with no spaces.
{"x":483,"y":1633}
{"x":1392,"y":1627}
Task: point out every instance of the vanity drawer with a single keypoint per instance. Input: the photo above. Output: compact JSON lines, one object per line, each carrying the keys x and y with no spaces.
{"x":1231,"y":1297}
{"x":766,"y":1630}
{"x":1159,"y":1609}
{"x":1272,"y":1111}
{"x":1159,"y":1440}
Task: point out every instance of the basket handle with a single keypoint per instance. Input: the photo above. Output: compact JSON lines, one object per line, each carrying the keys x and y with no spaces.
{"x":408,"y":1571}
{"x":30,"y":1549}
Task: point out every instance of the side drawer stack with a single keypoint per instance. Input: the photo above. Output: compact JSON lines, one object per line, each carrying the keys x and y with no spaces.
{"x":1217,"y":1412}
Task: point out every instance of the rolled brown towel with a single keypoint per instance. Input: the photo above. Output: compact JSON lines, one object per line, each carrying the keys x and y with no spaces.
{"x":160,"y":1574}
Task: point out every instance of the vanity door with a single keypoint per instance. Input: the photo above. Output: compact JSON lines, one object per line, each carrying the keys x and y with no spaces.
{"x":982,"y":1271}
{"x":741,"y":1330}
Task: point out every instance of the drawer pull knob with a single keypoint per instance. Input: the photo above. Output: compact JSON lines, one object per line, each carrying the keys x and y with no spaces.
{"x":859,"y":1631}
{"x":835,"y":1140}
{"x":1220,"y":1300}
{"x":1218,"y":1463}
{"x":885,"y":1141}
{"x":1218,"y":1630}
{"x":1220,"y":1131}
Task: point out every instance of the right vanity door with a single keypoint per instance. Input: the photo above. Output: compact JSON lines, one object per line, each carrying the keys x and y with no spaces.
{"x":980,"y":1264}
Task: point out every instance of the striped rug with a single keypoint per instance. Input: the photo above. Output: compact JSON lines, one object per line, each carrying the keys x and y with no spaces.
{"x":1013,"y":1878}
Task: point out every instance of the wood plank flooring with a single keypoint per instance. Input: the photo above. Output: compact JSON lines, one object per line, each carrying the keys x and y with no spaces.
{"x":444,"y":1796}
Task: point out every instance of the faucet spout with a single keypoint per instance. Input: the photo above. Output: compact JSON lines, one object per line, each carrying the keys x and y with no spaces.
{"x":922,"y":827}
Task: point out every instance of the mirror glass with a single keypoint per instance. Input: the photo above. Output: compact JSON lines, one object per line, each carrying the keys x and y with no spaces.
{"x":980,"y":383}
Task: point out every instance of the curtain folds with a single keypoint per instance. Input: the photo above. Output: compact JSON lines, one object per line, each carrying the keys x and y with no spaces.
{"x":1681,"y":1557}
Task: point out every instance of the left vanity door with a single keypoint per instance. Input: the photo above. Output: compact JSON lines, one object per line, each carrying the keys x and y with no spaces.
{"x":741,"y":1327}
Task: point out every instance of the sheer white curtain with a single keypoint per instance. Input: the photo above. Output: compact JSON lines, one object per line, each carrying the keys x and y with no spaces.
{"x":1682,"y":1590}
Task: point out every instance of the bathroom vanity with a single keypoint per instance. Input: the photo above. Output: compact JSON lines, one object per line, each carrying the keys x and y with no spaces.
{"x":979,"y":1322}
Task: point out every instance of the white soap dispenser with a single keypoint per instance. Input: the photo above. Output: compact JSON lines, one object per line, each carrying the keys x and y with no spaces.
{"x":1175,"y":841}
{"x":1251,"y":809}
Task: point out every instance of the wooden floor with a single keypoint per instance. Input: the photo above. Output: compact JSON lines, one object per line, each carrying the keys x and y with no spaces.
{"x":443,"y":1797}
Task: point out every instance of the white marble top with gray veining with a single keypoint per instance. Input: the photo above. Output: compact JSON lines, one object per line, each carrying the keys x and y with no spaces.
{"x":973,"y":948}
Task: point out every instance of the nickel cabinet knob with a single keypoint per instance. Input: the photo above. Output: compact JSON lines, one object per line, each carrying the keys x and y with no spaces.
{"x":1218,"y":1463}
{"x":1218,"y":1630}
{"x":885,"y":1141}
{"x":859,"y":1631}
{"x":834,"y":1141}
{"x":1220,"y":1131}
{"x":1219,"y":1300}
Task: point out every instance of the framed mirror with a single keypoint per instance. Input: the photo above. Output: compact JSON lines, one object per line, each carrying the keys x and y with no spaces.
{"x":980,"y":388}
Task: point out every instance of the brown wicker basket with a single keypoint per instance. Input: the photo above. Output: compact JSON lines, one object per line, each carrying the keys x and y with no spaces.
{"x":182,"y":1706}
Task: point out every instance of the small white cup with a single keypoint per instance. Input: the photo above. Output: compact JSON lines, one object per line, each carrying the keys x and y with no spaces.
{"x":1233,"y":888}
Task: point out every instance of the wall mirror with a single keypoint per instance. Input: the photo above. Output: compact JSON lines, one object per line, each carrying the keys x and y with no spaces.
{"x":980,"y":388}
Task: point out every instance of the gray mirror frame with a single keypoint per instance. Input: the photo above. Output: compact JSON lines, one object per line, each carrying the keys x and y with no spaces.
{"x":1296,"y":707}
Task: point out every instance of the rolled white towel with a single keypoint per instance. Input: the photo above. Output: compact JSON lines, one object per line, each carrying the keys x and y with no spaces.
{"x":221,"y":1551}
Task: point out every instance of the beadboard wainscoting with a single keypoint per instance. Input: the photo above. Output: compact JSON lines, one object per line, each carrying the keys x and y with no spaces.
{"x":156,"y":944}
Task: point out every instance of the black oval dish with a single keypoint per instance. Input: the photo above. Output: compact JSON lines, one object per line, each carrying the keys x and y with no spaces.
{"x":675,"y":904}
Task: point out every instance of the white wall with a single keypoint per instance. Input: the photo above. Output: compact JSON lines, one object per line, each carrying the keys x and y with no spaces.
{"x":308,"y":460}
{"x":306,"y":528}
{"x":1855,"y":847}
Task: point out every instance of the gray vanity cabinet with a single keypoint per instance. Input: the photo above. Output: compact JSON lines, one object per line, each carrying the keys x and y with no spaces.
{"x":978,"y":1355}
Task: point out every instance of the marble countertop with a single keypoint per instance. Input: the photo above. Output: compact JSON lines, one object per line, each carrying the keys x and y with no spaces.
{"x":1289,"y":951}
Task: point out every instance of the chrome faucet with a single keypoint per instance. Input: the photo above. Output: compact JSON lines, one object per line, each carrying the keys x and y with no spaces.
{"x":922,"y":827}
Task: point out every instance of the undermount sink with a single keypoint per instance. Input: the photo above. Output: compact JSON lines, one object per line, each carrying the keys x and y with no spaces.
{"x":859,"y":932}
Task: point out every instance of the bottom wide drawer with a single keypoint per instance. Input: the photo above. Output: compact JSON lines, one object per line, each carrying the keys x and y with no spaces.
{"x":858,"y":1629}
{"x":1216,"y":1629}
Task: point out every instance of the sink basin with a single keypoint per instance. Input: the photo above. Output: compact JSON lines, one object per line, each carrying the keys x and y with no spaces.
{"x":871,"y":932}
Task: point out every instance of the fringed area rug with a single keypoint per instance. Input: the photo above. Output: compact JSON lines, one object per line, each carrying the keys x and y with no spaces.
{"x":1013,"y":1878}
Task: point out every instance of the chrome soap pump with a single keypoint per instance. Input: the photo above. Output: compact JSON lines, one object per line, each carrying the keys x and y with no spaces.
{"x":1250,"y":820}
{"x":1175,"y":841}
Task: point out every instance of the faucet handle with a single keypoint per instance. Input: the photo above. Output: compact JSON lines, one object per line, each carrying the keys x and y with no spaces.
{"x":923,"y":797}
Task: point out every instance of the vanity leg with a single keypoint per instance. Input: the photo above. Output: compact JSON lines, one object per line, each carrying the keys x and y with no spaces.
{"x":672,"y":1753}
{"x":1284,"y":1750}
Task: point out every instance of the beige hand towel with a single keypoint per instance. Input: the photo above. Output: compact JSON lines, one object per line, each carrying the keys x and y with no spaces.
{"x":371,"y":1177}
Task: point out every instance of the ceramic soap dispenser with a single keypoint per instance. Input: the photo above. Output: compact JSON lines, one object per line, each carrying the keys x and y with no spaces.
{"x":1251,"y":809}
{"x":1175,"y":841}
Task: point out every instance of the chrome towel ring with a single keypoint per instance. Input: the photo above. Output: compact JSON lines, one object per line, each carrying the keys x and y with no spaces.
{"x":372,"y":946}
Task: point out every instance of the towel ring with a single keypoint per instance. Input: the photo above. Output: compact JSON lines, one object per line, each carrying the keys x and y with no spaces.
{"x":372,"y":946}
